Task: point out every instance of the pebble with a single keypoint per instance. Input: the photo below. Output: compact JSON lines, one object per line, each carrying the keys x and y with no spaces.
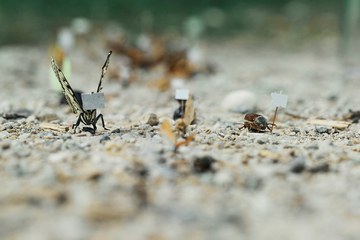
{"x":312,"y":146}
{"x":322,"y":129}
{"x":211,"y":138}
{"x":321,"y":168}
{"x":203,"y":164}
{"x":262,"y":140}
{"x":240,"y":101}
{"x":104,"y":138}
{"x":5,"y":145}
{"x":118,"y":130}
{"x":295,"y":130}
{"x":297,"y":165}
{"x":150,"y":119}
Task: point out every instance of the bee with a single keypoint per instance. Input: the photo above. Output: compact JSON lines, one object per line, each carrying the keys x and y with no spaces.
{"x":87,"y":117}
{"x":256,"y":122}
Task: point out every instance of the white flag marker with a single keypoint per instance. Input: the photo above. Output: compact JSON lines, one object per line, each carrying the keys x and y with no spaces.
{"x":182,"y":94}
{"x":93,"y":101}
{"x":278,"y":100}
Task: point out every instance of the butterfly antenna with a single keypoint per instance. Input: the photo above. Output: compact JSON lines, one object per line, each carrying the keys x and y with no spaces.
{"x":103,"y":71}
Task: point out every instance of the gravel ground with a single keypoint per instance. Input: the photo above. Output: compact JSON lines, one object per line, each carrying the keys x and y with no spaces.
{"x":301,"y":182}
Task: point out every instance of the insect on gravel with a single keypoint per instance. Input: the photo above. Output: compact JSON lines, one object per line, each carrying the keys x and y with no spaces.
{"x":256,"y":122}
{"x":87,"y":117}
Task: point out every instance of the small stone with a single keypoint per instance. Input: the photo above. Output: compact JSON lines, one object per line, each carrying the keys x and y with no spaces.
{"x":151,"y":119}
{"x":296,"y":130}
{"x":5,"y":145}
{"x":203,"y":164}
{"x":312,"y":147}
{"x":116,"y":130}
{"x":322,"y":129}
{"x":297,"y":165}
{"x":321,"y":168}
{"x":240,"y":101}
{"x":263,"y":140}
{"x":104,"y":138}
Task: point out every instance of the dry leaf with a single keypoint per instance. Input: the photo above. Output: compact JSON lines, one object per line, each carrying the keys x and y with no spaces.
{"x":189,"y":116}
{"x":186,"y":141}
{"x":167,"y":131}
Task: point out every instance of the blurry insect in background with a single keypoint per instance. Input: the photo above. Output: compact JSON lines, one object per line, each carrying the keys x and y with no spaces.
{"x":64,"y":63}
{"x":180,"y":111}
{"x":186,"y":115}
{"x":167,"y":131}
{"x":256,"y":122}
{"x":87,"y":117}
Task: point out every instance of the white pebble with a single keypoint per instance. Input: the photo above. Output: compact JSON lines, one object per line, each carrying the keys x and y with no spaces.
{"x":239,"y":101}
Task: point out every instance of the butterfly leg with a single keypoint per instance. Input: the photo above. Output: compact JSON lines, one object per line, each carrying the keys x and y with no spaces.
{"x":74,"y":126}
{"x":102,"y":120}
{"x":94,"y":128}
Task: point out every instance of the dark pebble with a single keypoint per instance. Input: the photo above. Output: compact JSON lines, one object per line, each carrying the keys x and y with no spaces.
{"x":116,"y":130}
{"x":203,"y":164}
{"x":322,"y":168}
{"x":104,"y":138}
{"x":297,"y":165}
{"x":322,"y":129}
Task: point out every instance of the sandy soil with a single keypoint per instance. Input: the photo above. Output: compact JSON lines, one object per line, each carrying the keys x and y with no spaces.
{"x":301,"y":182}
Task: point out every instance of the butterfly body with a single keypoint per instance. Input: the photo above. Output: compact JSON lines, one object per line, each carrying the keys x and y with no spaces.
{"x":87,"y":117}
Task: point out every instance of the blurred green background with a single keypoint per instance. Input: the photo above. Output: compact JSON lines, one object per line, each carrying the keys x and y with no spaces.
{"x":36,"y":21}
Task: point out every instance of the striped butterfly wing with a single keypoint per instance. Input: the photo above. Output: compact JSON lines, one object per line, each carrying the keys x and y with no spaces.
{"x":73,"y":100}
{"x":103,"y":71}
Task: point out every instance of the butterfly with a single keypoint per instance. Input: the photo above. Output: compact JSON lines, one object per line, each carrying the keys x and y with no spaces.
{"x":87,"y":117}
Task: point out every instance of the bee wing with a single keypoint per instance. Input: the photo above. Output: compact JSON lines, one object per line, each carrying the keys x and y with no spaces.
{"x":103,"y":71}
{"x":166,"y":130}
{"x":189,"y":115}
{"x":69,"y":93}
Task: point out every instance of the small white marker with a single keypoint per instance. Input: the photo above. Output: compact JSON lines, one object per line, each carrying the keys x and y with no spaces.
{"x":93,"y":101}
{"x":278,"y":100}
{"x":182,"y":94}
